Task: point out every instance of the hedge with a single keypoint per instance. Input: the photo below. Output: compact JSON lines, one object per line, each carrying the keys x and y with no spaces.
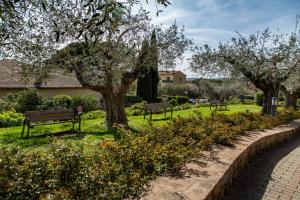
{"x":120,"y":169}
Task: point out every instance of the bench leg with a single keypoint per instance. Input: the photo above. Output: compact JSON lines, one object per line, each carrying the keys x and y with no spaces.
{"x":165,"y":112}
{"x":73,"y":126}
{"x":28,"y":128}
{"x":24,"y":125}
{"x":151,"y":115}
{"x":171,"y":112}
{"x":79,"y":125}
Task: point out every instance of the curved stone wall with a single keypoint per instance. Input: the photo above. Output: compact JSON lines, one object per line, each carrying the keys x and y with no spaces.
{"x":208,"y":177}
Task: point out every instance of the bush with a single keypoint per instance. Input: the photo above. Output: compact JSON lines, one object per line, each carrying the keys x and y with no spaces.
{"x":28,"y":100}
{"x":259,"y":99}
{"x":249,"y":97}
{"x":93,"y":115}
{"x":59,"y":102}
{"x":119,"y":169}
{"x":135,"y":110}
{"x":4,"y":105}
{"x":89,"y":103}
{"x":188,"y":89}
{"x":177,"y":100}
{"x":10,"y":118}
{"x":130,"y":100}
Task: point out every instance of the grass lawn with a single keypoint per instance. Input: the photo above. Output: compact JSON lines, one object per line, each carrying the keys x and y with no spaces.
{"x":95,"y":130}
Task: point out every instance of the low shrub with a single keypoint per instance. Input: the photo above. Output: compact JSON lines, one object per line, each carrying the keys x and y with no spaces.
{"x":130,"y":100}
{"x":259,"y":99}
{"x":4,"y":105}
{"x":10,"y":118}
{"x":89,"y":103}
{"x":27,"y":100}
{"x":93,"y":115}
{"x":177,"y":100}
{"x":119,"y":169}
{"x":135,"y":109}
{"x":58,"y":102}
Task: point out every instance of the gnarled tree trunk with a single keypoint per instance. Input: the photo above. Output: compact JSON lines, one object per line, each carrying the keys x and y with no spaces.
{"x":290,"y":97}
{"x":270,"y":90}
{"x":115,"y":108}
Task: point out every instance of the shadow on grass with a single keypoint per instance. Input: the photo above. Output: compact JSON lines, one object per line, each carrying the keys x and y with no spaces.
{"x":161,"y":119}
{"x":43,"y":137}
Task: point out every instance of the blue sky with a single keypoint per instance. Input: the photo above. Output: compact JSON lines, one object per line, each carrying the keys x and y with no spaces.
{"x":211,"y":21}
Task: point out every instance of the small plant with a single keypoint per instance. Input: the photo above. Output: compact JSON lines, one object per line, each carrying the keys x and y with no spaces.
{"x":28,"y":100}
{"x":259,"y":99}
{"x":89,"y":103}
{"x":93,"y":115}
{"x":10,"y":118}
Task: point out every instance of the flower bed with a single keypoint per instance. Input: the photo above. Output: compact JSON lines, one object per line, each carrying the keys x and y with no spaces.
{"x":118,"y":169}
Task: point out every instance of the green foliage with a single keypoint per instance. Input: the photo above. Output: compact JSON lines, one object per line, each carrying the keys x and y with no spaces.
{"x":177,"y":100}
{"x":27,"y":100}
{"x":58,"y":102}
{"x":130,"y":100}
{"x":22,"y":101}
{"x":89,"y":103}
{"x":259,"y":99}
{"x":135,"y":109}
{"x":4,"y":105}
{"x":190,"y":90}
{"x":119,"y":169}
{"x":10,"y":118}
{"x":93,"y":115}
{"x":147,"y":84}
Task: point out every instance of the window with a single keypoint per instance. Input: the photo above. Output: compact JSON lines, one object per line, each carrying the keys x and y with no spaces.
{"x":168,"y":78}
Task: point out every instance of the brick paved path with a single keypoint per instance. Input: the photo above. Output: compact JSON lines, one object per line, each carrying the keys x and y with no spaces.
{"x":273,"y":175}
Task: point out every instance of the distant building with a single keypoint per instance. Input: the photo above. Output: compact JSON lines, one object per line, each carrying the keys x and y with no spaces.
{"x":171,"y":78}
{"x":58,"y":83}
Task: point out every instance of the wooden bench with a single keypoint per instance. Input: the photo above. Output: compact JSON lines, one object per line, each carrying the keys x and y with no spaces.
{"x":47,"y":117}
{"x":217,"y":103}
{"x":154,"y":107}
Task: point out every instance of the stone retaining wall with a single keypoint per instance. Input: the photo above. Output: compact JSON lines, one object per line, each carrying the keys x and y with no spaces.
{"x":211,"y":175}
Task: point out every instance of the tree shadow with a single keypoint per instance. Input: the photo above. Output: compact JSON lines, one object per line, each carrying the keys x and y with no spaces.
{"x":44,"y":138}
{"x":161,"y":119}
{"x":254,"y":179}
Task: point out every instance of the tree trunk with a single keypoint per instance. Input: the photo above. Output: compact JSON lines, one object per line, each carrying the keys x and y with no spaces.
{"x":290,"y":98}
{"x":270,"y":91}
{"x":115,"y":109}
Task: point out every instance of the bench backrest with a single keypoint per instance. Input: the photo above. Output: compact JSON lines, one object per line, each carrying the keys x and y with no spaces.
{"x":156,"y":106}
{"x":215,"y":102}
{"x":48,"y":115}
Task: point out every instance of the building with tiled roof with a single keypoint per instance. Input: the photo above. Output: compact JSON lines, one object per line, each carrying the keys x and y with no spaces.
{"x":171,"y":78}
{"x":11,"y":81}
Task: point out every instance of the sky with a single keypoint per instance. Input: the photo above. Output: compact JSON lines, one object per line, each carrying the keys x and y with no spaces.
{"x":213,"y":21}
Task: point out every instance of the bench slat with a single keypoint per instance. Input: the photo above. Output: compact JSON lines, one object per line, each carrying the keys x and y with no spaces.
{"x":36,"y":116}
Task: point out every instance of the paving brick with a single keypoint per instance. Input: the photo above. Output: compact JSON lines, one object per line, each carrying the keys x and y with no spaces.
{"x":275,"y":174}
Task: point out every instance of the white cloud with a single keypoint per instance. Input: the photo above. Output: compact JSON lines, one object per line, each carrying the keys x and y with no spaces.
{"x":169,"y":17}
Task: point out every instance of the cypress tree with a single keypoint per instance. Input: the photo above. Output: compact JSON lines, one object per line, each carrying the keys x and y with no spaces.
{"x":148,"y":80}
{"x":144,"y":84}
{"x":154,"y":66}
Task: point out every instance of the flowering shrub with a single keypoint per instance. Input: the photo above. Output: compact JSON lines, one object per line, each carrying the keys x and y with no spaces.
{"x":117,"y":169}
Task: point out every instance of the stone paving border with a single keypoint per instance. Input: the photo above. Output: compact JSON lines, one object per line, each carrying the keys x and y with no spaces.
{"x":208,"y":177}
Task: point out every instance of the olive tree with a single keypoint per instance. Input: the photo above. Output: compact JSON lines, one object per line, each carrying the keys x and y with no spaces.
{"x":291,"y":89}
{"x":100,"y":43}
{"x":265,"y":59}
{"x":223,"y":90}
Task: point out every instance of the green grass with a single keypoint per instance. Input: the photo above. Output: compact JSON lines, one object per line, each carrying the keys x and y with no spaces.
{"x":95,"y":130}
